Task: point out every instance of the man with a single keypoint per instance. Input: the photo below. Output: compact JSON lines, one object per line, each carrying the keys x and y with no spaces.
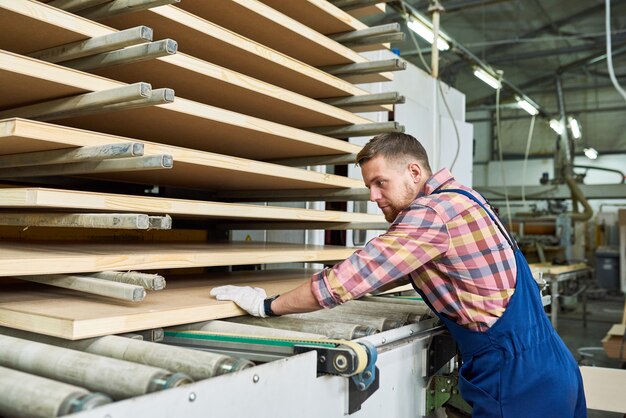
{"x":445,"y":238}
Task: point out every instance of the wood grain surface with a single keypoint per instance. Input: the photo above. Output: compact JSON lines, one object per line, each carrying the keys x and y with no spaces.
{"x":35,"y":26}
{"x":72,"y":315}
{"x":192,"y":169}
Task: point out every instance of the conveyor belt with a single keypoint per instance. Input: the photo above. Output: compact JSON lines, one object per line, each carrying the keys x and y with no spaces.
{"x":66,"y":389}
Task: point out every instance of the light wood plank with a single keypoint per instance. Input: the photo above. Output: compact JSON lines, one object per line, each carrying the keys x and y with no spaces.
{"x":191,"y":77}
{"x":604,"y":388}
{"x":368,"y":10}
{"x":195,"y":169}
{"x":68,"y":314}
{"x":208,"y":83}
{"x":319,"y":15}
{"x":30,"y":14}
{"x":29,"y":198}
{"x":210,"y":42}
{"x":45,"y":234}
{"x":323,"y":17}
{"x":183,"y":122}
{"x":553,"y":269}
{"x":273,"y":29}
{"x":18,"y":258}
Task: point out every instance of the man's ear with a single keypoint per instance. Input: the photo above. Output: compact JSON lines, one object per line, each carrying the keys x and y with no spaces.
{"x":416,"y":172}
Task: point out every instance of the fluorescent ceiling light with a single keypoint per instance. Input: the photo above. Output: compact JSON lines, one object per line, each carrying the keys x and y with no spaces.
{"x":575,"y":127}
{"x":523,"y":104}
{"x":487,"y":78}
{"x":556,"y":126}
{"x":591,"y":153}
{"x":427,"y":33}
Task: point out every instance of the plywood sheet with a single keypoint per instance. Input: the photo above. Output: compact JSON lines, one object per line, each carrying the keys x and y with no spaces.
{"x":17,"y":16}
{"x":20,"y":258}
{"x":73,"y":315}
{"x":273,"y":29}
{"x":320,"y":15}
{"x":192,"y":169}
{"x":203,"y":82}
{"x":604,"y":388}
{"x":368,"y":10}
{"x":553,"y":269}
{"x":210,"y":42}
{"x":192,"y":78}
{"x":43,"y":198}
{"x":183,"y":122}
{"x":323,"y":17}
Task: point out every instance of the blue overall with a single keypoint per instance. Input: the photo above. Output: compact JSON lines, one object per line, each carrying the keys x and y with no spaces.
{"x":519,"y":367}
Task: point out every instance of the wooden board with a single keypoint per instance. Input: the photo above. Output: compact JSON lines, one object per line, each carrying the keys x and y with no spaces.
{"x":207,"y":83}
{"x":192,"y":169}
{"x":613,"y":342}
{"x":73,"y":315}
{"x":92,"y":235}
{"x":210,"y":42}
{"x":183,"y":122}
{"x":192,"y":78}
{"x":42,"y":198}
{"x":19,"y":258}
{"x":368,"y":10}
{"x":320,"y":15}
{"x":604,"y":388}
{"x":273,"y":29}
{"x":323,"y":17}
{"x":552,"y":269}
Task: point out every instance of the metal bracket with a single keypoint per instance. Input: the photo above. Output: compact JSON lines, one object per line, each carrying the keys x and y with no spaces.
{"x":365,"y":129}
{"x":443,"y":390}
{"x":362,"y":385}
{"x":356,"y":396}
{"x":339,"y":361}
{"x":364,"y":379}
{"x":331,"y":360}
{"x":441,"y":350}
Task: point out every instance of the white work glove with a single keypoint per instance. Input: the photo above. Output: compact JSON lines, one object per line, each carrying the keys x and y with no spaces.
{"x":250,"y":299}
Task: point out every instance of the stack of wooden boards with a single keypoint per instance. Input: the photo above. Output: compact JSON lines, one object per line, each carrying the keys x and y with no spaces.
{"x":96,"y":117}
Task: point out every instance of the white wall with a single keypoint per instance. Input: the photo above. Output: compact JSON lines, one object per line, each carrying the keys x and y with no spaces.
{"x":427,"y":119}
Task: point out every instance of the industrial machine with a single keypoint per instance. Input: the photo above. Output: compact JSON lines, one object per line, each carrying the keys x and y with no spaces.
{"x":402,"y":371}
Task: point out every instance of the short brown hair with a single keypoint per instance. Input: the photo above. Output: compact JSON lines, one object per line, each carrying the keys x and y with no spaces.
{"x":395,"y":146}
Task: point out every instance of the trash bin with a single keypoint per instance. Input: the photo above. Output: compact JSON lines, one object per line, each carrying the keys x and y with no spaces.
{"x":607,"y":268}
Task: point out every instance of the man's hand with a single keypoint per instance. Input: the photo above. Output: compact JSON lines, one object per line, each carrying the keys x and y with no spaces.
{"x":250,"y":299}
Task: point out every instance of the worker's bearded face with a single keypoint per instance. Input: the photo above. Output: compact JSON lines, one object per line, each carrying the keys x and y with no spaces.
{"x":393,"y":184}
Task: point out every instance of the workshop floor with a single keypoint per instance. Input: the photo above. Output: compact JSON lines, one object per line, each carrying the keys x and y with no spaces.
{"x":601,"y":315}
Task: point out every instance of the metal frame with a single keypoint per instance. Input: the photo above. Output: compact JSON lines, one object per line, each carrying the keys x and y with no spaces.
{"x":290,"y":387}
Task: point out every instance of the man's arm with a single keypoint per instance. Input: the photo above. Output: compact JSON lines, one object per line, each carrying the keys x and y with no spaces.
{"x":300,"y":299}
{"x":417,"y":238}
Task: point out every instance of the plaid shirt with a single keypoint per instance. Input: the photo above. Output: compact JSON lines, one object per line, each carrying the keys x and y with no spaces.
{"x":447,"y":244}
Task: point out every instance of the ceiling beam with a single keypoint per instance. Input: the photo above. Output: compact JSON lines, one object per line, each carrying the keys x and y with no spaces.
{"x":459,"y":5}
{"x":588,"y":12}
{"x":523,"y":115}
{"x":586,"y":61}
{"x":557,"y":24}
{"x":618,"y":39}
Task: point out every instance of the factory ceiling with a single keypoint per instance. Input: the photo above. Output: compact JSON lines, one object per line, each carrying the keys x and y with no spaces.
{"x":532,"y":41}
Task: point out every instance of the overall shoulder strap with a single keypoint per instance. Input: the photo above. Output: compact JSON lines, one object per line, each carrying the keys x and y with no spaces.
{"x":493,"y":217}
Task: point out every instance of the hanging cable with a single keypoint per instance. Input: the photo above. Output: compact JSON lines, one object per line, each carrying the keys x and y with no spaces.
{"x":443,"y":97}
{"x":609,"y":52}
{"x":528,"y":141}
{"x":414,"y":39}
{"x":499,"y":134}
